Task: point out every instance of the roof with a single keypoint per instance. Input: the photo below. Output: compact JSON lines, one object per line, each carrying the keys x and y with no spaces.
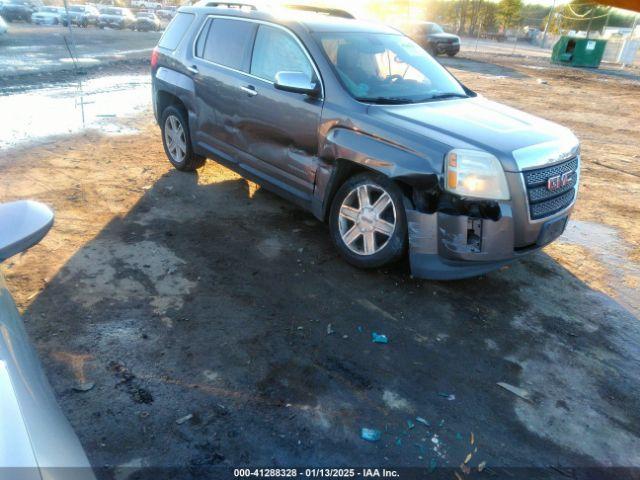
{"x":311,"y":21}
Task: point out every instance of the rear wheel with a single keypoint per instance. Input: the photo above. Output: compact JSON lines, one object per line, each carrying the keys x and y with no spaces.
{"x":177,"y":141}
{"x":368,"y":222}
{"x":451,"y":54}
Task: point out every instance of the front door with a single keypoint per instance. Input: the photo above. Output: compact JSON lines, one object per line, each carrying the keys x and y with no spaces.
{"x":281,"y":131}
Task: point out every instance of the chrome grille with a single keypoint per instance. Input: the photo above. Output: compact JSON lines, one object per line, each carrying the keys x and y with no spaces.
{"x":544,"y":202}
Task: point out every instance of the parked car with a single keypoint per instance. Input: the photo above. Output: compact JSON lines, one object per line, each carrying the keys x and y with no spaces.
{"x":37,"y":440}
{"x":3,"y":27}
{"x":146,"y":22}
{"x":20,"y":10}
{"x":356,"y":123}
{"x":435,"y":40}
{"x":47,"y":16}
{"x":146,"y":4}
{"x":81,"y":15}
{"x":166,"y":13}
{"x":116,"y":17}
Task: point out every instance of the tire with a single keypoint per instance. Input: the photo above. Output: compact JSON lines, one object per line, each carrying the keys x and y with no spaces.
{"x":183,"y":159}
{"x":451,"y":54}
{"x":346,"y":220}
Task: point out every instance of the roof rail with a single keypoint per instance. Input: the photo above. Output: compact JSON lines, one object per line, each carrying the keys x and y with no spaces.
{"x":238,"y":5}
{"x":333,"y":12}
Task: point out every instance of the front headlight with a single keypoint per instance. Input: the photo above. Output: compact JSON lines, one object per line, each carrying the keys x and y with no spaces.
{"x":476,"y":174}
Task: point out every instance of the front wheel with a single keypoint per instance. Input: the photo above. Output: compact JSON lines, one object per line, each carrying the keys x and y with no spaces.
{"x":451,"y":54}
{"x":368,"y":222}
{"x":177,"y":141}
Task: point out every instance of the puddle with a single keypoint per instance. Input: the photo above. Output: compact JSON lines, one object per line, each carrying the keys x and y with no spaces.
{"x":67,"y":109}
{"x":612,"y":251}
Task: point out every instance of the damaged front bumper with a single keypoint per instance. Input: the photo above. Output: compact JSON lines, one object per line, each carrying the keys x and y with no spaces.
{"x":446,"y":246}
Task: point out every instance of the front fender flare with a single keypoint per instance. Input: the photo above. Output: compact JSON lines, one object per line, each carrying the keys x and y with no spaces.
{"x":344,"y":148}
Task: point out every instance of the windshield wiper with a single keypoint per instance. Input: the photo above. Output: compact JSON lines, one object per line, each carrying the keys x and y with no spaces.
{"x":386,"y":100}
{"x":440,"y":96}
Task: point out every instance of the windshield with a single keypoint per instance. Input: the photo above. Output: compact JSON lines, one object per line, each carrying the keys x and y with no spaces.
{"x":76,"y":8}
{"x":434,"y":28}
{"x":49,"y":9}
{"x":387,"y":68}
{"x":112,"y":11}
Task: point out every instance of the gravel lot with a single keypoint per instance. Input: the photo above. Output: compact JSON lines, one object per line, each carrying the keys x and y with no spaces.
{"x":200,"y":306}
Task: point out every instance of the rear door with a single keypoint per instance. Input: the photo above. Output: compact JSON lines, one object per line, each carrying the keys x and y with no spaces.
{"x":222,"y":54}
{"x":282,"y":129}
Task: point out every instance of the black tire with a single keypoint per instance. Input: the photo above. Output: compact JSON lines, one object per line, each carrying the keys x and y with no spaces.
{"x":190,"y":161}
{"x":451,"y":54}
{"x":396,"y":244}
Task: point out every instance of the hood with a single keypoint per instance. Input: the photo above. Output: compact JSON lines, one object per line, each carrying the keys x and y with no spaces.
{"x":482,"y":124}
{"x":443,"y":36}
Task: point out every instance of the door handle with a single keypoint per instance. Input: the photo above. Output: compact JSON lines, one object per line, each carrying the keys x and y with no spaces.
{"x":249,"y":90}
{"x":193,"y":69}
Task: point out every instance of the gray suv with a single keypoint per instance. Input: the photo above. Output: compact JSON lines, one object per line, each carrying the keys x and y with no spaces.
{"x":356,"y":123}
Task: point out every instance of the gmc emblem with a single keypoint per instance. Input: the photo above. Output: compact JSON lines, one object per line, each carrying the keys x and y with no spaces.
{"x":559,"y":181}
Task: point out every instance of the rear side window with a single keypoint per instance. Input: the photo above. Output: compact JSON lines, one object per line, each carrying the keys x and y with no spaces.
{"x":277,"y":51}
{"x":176,"y":30}
{"x":228,"y":42}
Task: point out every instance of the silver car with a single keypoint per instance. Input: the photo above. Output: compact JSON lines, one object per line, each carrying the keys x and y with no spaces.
{"x":36,"y":440}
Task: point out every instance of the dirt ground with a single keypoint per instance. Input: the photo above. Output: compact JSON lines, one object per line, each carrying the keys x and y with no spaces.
{"x":201,"y":294}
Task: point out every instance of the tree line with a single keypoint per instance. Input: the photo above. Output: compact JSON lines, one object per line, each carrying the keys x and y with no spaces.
{"x":466,"y":17}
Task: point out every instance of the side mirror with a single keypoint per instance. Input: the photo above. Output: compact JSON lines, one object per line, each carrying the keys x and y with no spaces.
{"x":22,"y":225}
{"x":296,"y":82}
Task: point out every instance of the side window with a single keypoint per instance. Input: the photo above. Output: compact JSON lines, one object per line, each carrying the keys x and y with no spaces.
{"x":275,"y":51}
{"x":176,"y":30}
{"x":228,"y":42}
{"x":200,"y":42}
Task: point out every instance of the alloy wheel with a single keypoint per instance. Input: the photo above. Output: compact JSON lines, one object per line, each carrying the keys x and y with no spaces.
{"x":367,"y":219}
{"x":175,"y":138}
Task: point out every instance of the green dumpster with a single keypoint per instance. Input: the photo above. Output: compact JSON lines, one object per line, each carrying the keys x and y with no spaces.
{"x":578,"y":52}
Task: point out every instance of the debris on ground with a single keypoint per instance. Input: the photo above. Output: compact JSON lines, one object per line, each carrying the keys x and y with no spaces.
{"x":410,"y":424}
{"x":515,"y":390}
{"x":379,"y":338}
{"x":448,"y":396}
{"x":184,"y":419}
{"x":423,"y":421}
{"x":370,"y":434}
{"x":84,"y":387}
{"x":481,"y":465}
{"x":330,"y":330}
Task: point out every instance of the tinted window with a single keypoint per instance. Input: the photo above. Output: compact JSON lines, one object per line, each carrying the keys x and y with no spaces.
{"x":200,"y":43}
{"x":228,"y":42}
{"x":176,"y":30}
{"x":276,"y":51}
